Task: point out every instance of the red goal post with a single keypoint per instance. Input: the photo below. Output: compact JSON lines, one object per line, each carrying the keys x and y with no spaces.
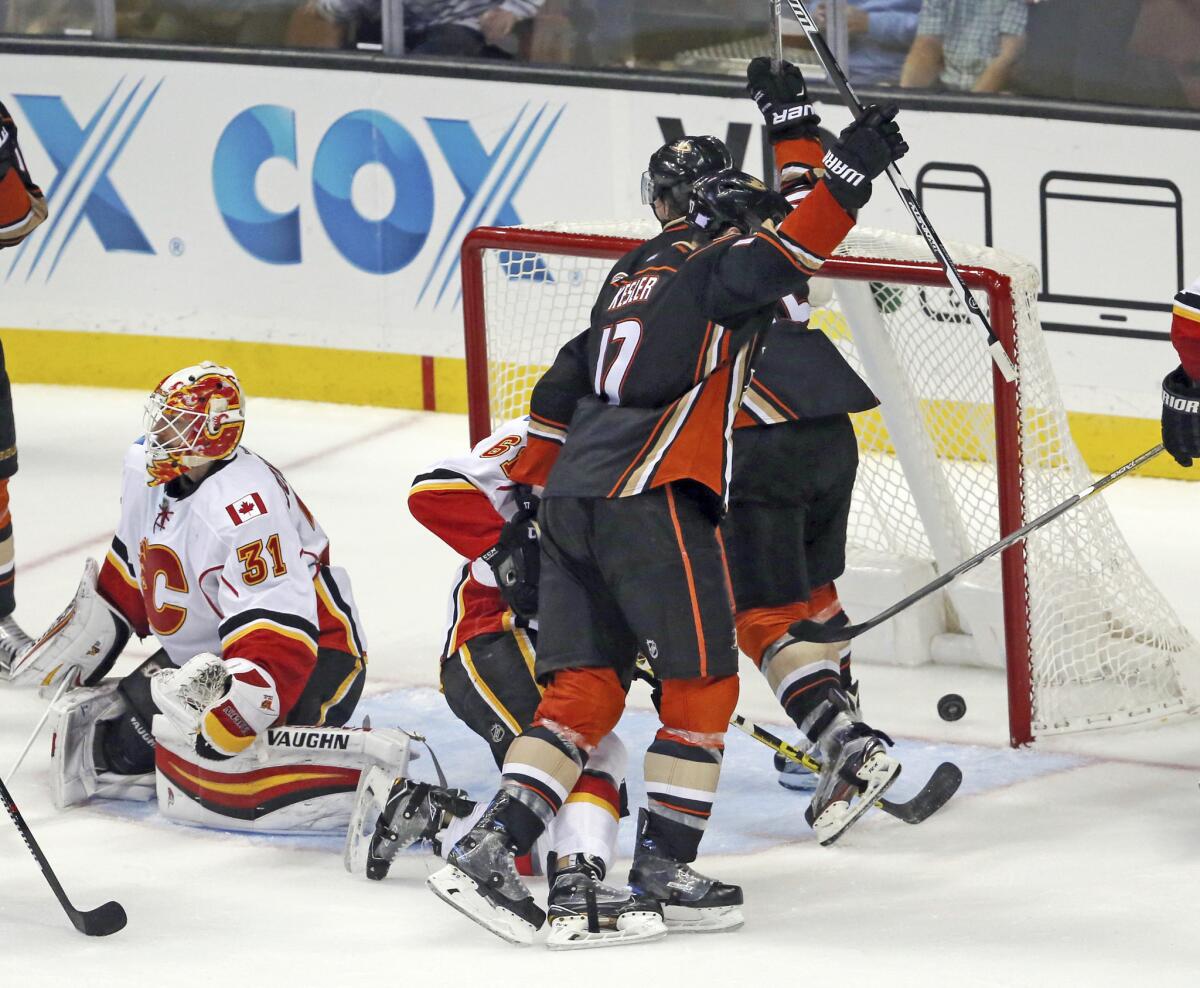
{"x":991,"y":284}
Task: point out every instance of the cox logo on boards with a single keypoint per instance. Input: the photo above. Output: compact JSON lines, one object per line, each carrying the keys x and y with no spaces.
{"x":488,"y":181}
{"x":82,"y":190}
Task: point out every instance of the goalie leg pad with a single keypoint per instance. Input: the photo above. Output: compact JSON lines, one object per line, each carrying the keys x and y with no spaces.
{"x":291,"y":779}
{"x":88,"y":636}
{"x":83,"y":719}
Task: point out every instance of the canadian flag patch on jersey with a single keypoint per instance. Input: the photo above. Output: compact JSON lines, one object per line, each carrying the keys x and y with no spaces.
{"x":246,"y":507}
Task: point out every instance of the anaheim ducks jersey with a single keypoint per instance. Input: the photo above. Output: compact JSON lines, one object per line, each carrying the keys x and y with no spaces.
{"x":1185,"y":329}
{"x":800,"y":373}
{"x":235,"y":565}
{"x":465,"y":501}
{"x":668,"y":354}
{"x":22,"y":205}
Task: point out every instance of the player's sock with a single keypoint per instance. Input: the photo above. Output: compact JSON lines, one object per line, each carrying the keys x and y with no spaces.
{"x":681,"y":781}
{"x":800,"y":673}
{"x":540,"y":770}
{"x":14,"y":642}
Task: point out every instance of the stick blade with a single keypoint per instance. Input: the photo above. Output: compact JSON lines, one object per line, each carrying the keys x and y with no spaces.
{"x":935,"y":794}
{"x":102,"y":921}
{"x":814,"y":631}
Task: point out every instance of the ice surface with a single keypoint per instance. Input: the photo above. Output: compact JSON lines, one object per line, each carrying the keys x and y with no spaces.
{"x":1070,"y":864}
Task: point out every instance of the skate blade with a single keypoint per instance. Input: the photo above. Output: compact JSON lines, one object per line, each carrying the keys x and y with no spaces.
{"x":715,"y":919}
{"x":878,"y":772}
{"x":374,"y":784}
{"x":571,"y":932}
{"x":459,"y":891}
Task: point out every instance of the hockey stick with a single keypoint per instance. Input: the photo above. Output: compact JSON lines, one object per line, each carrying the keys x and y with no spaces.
{"x":942,"y":784}
{"x":812,"y":631}
{"x":1007,"y":370}
{"x":776,"y":35}
{"x":99,"y":922}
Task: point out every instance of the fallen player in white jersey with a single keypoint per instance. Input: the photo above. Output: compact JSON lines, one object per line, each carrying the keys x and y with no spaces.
{"x":217,"y":557}
{"x":470,"y":503}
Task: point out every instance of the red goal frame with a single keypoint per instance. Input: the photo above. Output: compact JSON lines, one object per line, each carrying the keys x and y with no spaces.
{"x":996,"y":286}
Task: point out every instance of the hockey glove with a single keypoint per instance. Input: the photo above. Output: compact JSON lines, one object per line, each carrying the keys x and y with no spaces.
{"x":1181,"y":416}
{"x":226,"y":703}
{"x":782,"y":97}
{"x":515,"y":558}
{"x":863,"y":152}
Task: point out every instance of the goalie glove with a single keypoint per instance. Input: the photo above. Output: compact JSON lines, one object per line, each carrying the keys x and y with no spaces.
{"x":224,"y":703}
{"x":782,"y":98}
{"x":515,"y":559}
{"x":87,"y":637}
{"x":1181,"y":416}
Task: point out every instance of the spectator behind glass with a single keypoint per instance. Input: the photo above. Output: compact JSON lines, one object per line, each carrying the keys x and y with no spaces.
{"x":1139,"y":52}
{"x":881,"y":32}
{"x":966,"y":45}
{"x":471,"y":28}
{"x":1168,"y":34}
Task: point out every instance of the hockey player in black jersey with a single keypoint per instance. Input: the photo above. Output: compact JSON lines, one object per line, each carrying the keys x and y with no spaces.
{"x":631,"y":558}
{"x":795,"y":457}
{"x":794,"y":462}
{"x":22,"y":210}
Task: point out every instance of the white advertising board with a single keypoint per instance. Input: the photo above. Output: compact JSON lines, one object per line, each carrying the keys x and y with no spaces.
{"x":325,"y":208}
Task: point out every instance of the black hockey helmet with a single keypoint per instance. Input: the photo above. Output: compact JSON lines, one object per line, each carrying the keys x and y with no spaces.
{"x":734,"y":198}
{"x":675,"y":166}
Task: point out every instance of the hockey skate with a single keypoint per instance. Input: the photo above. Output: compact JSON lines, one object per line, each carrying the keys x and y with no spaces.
{"x":13,"y":644}
{"x":793,"y":775}
{"x":481,"y":880}
{"x":856,"y":768}
{"x":691,"y":902}
{"x":584,"y":912}
{"x":393,"y":814}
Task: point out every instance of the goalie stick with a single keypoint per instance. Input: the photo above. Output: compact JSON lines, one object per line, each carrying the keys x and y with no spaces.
{"x":1006,"y":367}
{"x":99,"y":922}
{"x":942,"y":784}
{"x":812,"y":631}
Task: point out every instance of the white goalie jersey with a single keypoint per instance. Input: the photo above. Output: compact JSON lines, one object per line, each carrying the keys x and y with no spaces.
{"x":236,"y":566}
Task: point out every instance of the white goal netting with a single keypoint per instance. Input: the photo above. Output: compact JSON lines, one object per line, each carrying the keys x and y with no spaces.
{"x":1102,"y":645}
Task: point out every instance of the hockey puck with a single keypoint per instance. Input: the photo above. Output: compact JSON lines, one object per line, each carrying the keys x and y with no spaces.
{"x":952,"y":707}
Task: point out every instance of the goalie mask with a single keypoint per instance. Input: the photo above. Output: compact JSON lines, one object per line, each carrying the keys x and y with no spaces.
{"x":194,"y":416}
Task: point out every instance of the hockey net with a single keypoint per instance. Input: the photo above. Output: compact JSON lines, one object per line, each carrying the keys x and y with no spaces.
{"x":951,"y":461}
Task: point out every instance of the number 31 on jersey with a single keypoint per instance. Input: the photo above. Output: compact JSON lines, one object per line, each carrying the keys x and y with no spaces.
{"x":255,"y":567}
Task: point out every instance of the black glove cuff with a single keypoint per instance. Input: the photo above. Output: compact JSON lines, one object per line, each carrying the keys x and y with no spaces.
{"x":808,"y":127}
{"x":1181,"y":393}
{"x":846,"y":178}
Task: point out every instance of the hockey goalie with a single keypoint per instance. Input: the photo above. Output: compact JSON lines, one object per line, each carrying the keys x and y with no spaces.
{"x":261,"y":656}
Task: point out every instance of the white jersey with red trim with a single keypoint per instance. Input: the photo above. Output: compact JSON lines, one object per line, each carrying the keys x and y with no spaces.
{"x":235,"y":565}
{"x":465,"y":501}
